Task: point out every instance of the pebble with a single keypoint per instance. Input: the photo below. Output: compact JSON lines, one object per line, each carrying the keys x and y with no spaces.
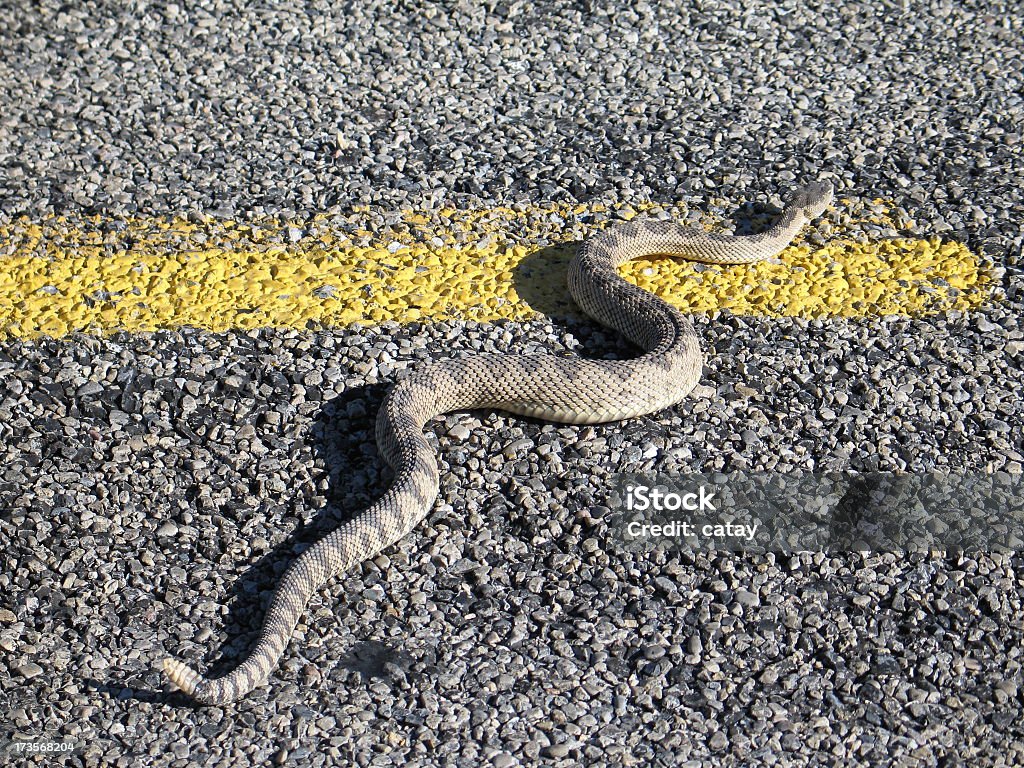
{"x":556,"y":750}
{"x":459,"y":432}
{"x":28,"y":671}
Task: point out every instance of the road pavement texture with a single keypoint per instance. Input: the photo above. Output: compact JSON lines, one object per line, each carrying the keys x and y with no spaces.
{"x":215,"y":226}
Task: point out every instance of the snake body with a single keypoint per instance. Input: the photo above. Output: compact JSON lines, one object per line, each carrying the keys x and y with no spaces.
{"x":573,"y":391}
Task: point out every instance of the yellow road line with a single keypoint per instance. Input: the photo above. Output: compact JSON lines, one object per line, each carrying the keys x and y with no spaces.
{"x":98,"y":276}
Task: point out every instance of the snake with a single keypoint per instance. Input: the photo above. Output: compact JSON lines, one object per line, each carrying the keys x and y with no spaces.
{"x":571,"y":390}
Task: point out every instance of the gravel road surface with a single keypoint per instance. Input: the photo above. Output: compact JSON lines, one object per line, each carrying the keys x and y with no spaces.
{"x":154,"y":485}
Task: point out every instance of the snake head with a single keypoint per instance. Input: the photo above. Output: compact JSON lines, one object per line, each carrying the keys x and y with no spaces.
{"x":812,"y":199}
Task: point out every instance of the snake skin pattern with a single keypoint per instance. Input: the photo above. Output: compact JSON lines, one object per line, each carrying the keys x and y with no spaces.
{"x":573,"y":391}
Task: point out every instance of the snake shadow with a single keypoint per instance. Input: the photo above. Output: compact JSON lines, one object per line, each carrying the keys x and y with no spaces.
{"x":342,"y":440}
{"x":540,"y":277}
{"x":342,"y":437}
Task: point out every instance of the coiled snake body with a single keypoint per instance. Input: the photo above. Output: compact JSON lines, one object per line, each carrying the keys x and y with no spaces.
{"x":574,"y":391}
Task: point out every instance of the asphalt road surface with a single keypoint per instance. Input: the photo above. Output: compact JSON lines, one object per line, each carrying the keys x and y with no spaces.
{"x":166,"y":454}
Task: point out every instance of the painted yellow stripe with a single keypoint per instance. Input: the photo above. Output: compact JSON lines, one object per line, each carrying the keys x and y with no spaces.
{"x":98,"y":276}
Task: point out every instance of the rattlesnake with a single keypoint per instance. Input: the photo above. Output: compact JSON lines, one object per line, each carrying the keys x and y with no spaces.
{"x":574,"y":391}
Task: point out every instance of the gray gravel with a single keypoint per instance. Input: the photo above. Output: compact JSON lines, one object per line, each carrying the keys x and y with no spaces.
{"x":215,"y":109}
{"x":152,"y":488}
{"x":509,"y":624}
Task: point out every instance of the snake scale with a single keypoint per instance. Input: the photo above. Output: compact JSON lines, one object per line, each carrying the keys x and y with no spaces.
{"x":573,"y":391}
